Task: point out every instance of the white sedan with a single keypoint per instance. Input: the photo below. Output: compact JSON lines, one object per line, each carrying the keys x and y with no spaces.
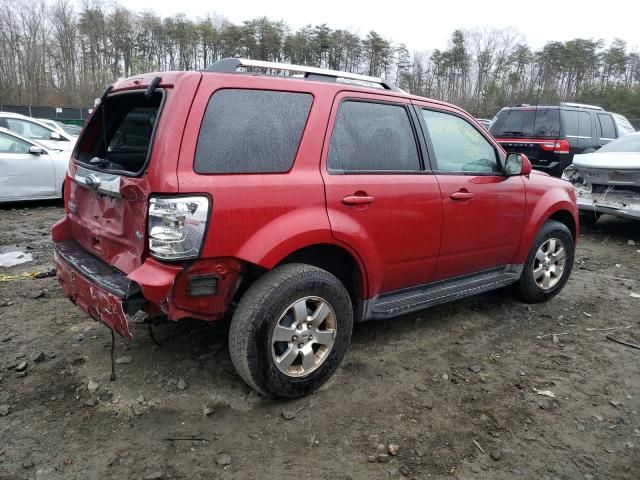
{"x":28,"y":170}
{"x":30,"y":128}
{"x":608,"y":180}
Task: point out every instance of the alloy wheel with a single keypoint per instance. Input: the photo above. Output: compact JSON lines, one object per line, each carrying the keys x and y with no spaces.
{"x":303,"y":336}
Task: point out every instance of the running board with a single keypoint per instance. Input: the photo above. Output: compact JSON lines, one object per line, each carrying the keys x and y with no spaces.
{"x":408,"y":300}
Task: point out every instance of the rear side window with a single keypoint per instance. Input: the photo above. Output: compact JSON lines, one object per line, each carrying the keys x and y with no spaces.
{"x":372,"y":137}
{"x":577,"y":124}
{"x":251,"y":131}
{"x":606,"y":126}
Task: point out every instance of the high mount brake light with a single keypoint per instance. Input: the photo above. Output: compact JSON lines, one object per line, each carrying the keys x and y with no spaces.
{"x":177,"y":226}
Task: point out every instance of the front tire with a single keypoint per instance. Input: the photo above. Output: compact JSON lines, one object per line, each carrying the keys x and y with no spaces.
{"x":291,"y":330}
{"x":548,"y":264}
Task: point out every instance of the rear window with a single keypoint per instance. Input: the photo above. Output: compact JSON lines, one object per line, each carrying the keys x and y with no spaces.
{"x":130,"y":123}
{"x":527,"y":122}
{"x":251,"y":131}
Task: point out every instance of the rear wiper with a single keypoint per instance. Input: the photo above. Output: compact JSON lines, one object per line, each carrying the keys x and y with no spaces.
{"x":105,"y":164}
{"x":513,"y":132}
{"x":98,"y":162}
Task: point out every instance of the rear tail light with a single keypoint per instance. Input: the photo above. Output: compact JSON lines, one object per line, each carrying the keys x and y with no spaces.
{"x":177,"y":226}
{"x":556,"y":146}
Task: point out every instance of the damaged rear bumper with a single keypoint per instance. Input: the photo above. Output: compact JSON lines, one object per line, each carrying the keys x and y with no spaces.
{"x":102,"y":291}
{"x":201,"y":289}
{"x":601,"y":190}
{"x":624,"y":204}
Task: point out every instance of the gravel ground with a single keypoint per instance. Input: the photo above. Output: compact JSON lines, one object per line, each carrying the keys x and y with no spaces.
{"x":458,"y":391}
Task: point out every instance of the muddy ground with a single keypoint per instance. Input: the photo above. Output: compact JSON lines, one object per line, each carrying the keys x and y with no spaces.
{"x":452,"y":387}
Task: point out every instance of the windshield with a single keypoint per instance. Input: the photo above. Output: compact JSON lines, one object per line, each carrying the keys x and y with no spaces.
{"x":630,"y":143}
{"x":527,"y":122}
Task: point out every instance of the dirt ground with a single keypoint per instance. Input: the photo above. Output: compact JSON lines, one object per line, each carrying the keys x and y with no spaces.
{"x":453,"y":387}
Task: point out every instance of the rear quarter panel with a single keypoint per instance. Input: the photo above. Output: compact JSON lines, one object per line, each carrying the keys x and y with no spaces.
{"x":261,"y":218}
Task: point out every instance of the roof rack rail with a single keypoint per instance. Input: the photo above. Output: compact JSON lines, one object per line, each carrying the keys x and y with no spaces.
{"x":581,"y":105}
{"x":522,"y":105}
{"x":230,"y":65}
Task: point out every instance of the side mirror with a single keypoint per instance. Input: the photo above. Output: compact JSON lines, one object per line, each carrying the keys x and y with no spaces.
{"x":35,"y":150}
{"x":517,"y":164}
{"x":55,"y":136}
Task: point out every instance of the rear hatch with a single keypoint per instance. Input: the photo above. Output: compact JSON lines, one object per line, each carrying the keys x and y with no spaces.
{"x":534,"y":131}
{"x":109,"y":188}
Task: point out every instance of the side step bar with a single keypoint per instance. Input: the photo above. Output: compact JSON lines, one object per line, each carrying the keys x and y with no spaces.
{"x":408,"y":300}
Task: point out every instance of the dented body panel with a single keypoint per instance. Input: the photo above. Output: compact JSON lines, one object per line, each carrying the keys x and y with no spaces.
{"x":607,"y":183}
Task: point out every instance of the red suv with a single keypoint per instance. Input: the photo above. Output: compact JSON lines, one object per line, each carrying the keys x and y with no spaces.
{"x":299,"y":204}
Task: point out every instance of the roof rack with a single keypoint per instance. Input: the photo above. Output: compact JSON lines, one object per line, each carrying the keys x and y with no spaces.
{"x":230,"y":65}
{"x":581,"y":105}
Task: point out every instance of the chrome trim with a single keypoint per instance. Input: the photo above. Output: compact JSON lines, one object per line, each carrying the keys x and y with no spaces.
{"x":105,"y":183}
{"x":576,"y":136}
{"x":581,"y":105}
{"x":245,"y":62}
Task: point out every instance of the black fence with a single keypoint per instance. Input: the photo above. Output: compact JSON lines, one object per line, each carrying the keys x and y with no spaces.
{"x":64,"y":114}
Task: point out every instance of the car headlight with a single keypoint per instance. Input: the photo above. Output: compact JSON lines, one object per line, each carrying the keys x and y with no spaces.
{"x":177,"y":226}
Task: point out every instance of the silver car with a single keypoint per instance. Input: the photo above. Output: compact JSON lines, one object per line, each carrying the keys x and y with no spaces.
{"x":33,"y":129}
{"x":29,"y":170}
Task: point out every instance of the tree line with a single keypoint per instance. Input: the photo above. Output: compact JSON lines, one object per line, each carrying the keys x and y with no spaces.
{"x":58,"y":53}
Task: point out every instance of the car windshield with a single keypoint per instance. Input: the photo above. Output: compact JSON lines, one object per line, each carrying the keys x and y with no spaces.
{"x":527,"y":122}
{"x":630,"y":143}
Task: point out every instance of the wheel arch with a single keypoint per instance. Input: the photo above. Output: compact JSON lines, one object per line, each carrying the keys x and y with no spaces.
{"x":565,"y":217}
{"x":563,"y":211}
{"x":337,"y":259}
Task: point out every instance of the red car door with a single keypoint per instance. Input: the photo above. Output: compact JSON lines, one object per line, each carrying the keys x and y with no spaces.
{"x":380,"y":200}
{"x":483,"y":209}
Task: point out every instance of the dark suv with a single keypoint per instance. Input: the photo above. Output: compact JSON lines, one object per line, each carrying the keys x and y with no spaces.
{"x":297,"y":206}
{"x":551,"y":135}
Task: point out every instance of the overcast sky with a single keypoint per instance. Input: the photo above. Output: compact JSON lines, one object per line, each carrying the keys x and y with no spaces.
{"x":425,"y":25}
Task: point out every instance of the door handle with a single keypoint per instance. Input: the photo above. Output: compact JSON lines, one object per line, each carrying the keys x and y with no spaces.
{"x":461,"y":195}
{"x":357,"y":199}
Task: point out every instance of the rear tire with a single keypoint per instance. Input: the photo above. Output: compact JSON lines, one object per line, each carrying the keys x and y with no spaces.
{"x":271,"y":334}
{"x":548,"y":264}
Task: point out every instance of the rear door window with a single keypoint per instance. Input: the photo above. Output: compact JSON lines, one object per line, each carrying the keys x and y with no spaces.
{"x":527,"y":122}
{"x":372,"y":137}
{"x":251,"y":131}
{"x":28,"y":129}
{"x":607,"y":128}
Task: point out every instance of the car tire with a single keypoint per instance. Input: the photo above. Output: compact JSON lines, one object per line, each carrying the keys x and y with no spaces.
{"x":548,"y":265}
{"x":588,"y":219}
{"x":267,"y":341}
